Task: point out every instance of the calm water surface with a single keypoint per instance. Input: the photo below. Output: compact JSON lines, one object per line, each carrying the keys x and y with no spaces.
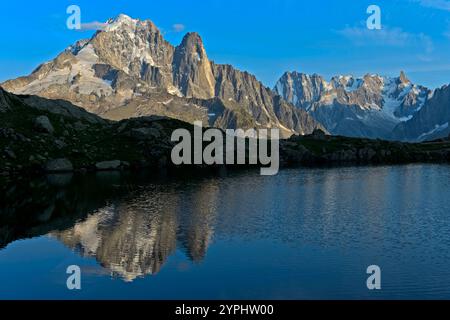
{"x":303,"y":234}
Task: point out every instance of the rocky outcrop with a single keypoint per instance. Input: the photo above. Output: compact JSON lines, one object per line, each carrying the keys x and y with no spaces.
{"x":192,"y":70}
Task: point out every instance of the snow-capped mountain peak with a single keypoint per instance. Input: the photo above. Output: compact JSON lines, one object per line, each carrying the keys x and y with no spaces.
{"x":128,"y":69}
{"x":122,"y":20}
{"x":347,"y":101}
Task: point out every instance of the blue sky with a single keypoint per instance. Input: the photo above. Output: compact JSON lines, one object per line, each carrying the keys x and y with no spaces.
{"x":264,"y":37}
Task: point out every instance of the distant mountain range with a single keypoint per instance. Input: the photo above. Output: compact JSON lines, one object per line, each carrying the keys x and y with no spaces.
{"x":129,"y":70}
{"x":372,"y":106}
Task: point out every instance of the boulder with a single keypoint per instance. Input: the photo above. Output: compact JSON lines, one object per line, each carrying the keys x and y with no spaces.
{"x":108,"y":165}
{"x":59,"y":165}
{"x":43,"y":124}
{"x":60,"y":144}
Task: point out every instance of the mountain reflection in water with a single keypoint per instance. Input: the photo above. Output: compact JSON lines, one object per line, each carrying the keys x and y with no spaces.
{"x":134,"y":230}
{"x":305,"y":233}
{"x":133,"y":237}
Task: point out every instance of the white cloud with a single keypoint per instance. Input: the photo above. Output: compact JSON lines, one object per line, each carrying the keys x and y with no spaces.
{"x":395,"y":37}
{"x":437,"y":4}
{"x":178,"y":27}
{"x":95,"y":25}
{"x":363,"y":36}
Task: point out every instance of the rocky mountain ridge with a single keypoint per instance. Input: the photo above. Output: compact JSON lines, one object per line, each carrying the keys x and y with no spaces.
{"x":129,"y":69}
{"x":370,"y":106}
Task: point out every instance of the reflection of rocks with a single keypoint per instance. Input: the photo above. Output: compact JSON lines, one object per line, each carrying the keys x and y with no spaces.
{"x":126,"y":239}
{"x":135,"y":237}
{"x":197,"y":225}
{"x":25,"y":206}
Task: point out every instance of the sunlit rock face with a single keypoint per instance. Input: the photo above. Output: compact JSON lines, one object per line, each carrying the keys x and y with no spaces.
{"x":193,"y":73}
{"x":128,"y":69}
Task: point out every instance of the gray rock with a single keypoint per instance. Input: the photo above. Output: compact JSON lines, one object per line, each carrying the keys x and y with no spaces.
{"x":59,"y":165}
{"x":43,"y":124}
{"x":60,"y":144}
{"x":108,"y":165}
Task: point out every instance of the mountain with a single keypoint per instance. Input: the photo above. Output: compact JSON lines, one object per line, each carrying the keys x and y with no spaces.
{"x":430,"y":122}
{"x":370,"y":106}
{"x":129,"y":69}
